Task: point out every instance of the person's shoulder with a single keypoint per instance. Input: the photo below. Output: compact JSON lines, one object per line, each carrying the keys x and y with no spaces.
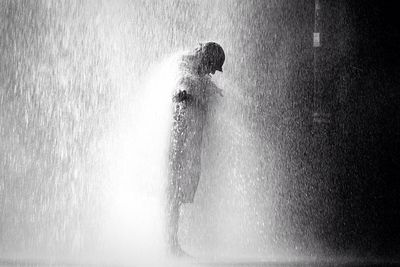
{"x":187,"y":63}
{"x":187,"y":83}
{"x":187,"y":73}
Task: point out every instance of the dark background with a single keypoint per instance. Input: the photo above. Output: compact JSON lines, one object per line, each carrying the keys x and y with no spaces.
{"x":354,"y":160}
{"x":373,"y":146}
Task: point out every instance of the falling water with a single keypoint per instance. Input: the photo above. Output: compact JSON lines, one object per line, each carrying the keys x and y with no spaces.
{"x":82,"y":128}
{"x":83,"y":120}
{"x":84,"y":125}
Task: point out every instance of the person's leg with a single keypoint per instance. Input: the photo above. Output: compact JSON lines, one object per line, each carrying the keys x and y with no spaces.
{"x":173,"y":224}
{"x":173,"y":229}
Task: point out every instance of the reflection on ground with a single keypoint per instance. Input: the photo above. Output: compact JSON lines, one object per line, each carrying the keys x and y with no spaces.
{"x":203,"y":263}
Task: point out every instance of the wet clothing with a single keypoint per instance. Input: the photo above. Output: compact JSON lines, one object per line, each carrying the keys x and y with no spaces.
{"x":190,"y":112}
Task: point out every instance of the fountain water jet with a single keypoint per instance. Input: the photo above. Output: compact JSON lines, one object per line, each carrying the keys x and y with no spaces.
{"x":136,"y":153}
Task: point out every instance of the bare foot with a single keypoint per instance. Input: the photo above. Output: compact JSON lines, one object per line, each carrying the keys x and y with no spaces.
{"x":178,"y":252}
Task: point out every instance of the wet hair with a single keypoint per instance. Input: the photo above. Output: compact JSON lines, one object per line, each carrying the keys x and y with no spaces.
{"x":210,"y":54}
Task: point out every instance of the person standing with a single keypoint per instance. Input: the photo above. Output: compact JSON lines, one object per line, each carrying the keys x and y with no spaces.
{"x":191,"y":98}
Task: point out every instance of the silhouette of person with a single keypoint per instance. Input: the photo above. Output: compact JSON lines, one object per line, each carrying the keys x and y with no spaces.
{"x":190,"y":106}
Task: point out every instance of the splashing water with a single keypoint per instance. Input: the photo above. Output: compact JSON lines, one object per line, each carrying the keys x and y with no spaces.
{"x":84,"y":132}
{"x":138,"y":158}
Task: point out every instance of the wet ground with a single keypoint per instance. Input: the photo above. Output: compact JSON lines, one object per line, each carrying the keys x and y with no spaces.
{"x":193,"y":263}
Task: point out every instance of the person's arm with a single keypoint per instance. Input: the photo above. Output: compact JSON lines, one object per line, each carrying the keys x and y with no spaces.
{"x":182,"y":96}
